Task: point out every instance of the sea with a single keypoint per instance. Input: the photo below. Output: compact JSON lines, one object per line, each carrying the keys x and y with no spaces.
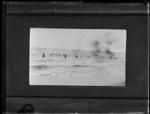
{"x":76,"y":68}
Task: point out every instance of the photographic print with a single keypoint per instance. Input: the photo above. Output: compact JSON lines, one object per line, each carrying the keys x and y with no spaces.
{"x":77,"y":57}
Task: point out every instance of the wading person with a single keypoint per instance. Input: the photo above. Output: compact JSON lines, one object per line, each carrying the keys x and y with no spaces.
{"x":111,"y":54}
{"x":76,"y":56}
{"x":65,"y":55}
{"x":43,"y":55}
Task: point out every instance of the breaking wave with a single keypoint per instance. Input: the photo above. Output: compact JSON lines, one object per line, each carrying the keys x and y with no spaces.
{"x":40,"y":67}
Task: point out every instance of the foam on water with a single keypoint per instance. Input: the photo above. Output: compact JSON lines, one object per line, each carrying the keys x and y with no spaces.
{"x":84,"y":70}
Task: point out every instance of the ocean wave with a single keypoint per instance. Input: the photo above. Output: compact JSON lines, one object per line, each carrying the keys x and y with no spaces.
{"x":40,"y":67}
{"x":81,"y":66}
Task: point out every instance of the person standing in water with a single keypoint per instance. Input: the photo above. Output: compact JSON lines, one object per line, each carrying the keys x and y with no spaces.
{"x":76,"y":56}
{"x":43,"y":55}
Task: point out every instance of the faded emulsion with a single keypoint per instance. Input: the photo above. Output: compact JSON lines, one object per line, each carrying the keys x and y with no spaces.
{"x":80,"y":57}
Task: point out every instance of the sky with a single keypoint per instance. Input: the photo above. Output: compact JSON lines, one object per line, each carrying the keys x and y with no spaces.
{"x":82,"y":39}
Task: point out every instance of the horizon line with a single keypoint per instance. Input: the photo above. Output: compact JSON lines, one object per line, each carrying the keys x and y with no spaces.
{"x":75,"y":49}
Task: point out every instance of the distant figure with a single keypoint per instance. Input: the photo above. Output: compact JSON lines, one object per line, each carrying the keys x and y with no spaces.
{"x":43,"y":55}
{"x":76,"y":56}
{"x":111,"y":54}
{"x":65,"y":55}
